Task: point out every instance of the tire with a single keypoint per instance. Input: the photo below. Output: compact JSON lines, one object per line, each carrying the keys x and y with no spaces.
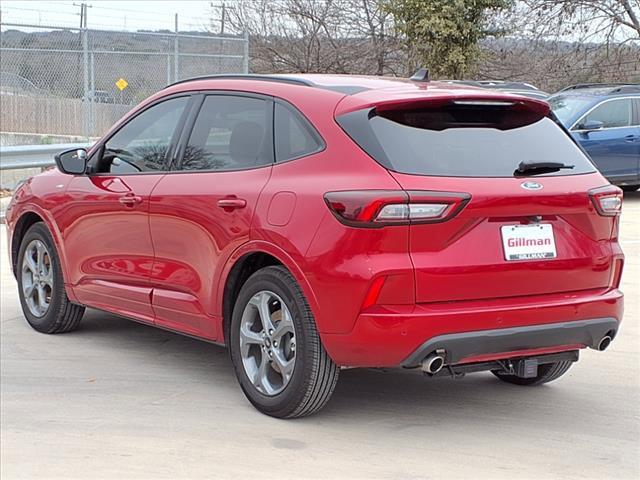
{"x":629,"y":188}
{"x":56,"y":314}
{"x":305,"y":382}
{"x":547,"y":372}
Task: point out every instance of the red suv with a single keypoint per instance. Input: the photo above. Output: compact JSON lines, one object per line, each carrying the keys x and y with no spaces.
{"x":314,"y":222}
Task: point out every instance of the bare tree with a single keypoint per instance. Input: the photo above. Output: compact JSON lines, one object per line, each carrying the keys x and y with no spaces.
{"x":550,"y":43}
{"x":322,"y":36}
{"x":551,"y":65}
{"x":372,"y":27}
{"x":602,"y":21}
{"x":291,"y":35}
{"x":553,"y":43}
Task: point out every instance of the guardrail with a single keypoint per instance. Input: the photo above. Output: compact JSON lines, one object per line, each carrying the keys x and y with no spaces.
{"x":33,"y":156}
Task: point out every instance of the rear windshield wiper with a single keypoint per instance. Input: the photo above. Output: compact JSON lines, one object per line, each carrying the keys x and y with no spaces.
{"x":536,"y":167}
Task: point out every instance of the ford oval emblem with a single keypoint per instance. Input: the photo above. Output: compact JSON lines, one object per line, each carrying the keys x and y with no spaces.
{"x":531,"y":185}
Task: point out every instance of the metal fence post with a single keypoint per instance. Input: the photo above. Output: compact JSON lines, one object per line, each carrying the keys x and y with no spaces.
{"x":168,"y":69}
{"x":41,"y":95}
{"x":245,"y":59}
{"x":176,"y":65}
{"x":92,"y":88}
{"x":85,"y":58}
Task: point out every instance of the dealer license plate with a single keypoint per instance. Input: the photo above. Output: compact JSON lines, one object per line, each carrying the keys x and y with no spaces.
{"x":528,"y":242}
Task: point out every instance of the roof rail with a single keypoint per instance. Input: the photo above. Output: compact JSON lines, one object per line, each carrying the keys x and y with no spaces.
{"x":247,"y":76}
{"x":580,"y":86}
{"x":631,"y":88}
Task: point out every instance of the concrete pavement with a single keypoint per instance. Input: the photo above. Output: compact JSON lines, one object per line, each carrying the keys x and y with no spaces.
{"x":116,"y":399}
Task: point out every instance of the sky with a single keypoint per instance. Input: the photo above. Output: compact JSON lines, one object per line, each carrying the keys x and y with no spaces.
{"x":113,"y":14}
{"x":131,"y":15}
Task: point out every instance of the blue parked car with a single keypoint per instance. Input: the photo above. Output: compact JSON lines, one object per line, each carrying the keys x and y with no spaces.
{"x":605,"y":120}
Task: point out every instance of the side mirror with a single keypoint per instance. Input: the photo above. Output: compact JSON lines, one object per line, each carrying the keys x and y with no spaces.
{"x":73,"y":162}
{"x":591,"y":125}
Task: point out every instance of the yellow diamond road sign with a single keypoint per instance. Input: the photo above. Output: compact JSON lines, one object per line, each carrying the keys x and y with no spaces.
{"x":122,"y":84}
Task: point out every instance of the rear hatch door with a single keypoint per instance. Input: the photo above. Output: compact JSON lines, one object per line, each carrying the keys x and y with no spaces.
{"x":510,"y":241}
{"x":529,"y":226}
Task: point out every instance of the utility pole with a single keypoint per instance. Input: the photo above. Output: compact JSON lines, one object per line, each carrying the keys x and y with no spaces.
{"x":85,"y":57}
{"x":83,"y":14}
{"x":176,"y":57}
{"x":224,"y":15}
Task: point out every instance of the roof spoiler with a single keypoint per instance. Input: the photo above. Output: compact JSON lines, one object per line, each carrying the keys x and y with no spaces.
{"x":515,"y":104}
{"x":500,"y":112}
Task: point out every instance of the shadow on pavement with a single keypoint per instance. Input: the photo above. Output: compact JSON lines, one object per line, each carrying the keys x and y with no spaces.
{"x":403,"y":398}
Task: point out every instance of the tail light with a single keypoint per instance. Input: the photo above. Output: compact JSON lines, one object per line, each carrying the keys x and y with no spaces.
{"x":615,"y":231}
{"x":607,"y":200}
{"x":616,"y":273}
{"x":379,"y":208}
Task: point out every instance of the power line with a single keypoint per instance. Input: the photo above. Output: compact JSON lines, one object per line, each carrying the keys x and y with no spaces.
{"x":108,"y":21}
{"x":157,"y":14}
{"x":38,"y":10}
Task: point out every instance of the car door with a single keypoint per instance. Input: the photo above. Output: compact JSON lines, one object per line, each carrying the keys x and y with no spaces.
{"x":615,"y":147}
{"x":202,"y":210}
{"x":106,"y":232}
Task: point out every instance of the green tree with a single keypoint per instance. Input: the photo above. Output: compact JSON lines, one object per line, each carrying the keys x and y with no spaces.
{"x":443,"y":35}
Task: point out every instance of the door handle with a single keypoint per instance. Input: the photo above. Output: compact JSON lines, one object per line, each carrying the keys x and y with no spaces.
{"x":632,"y":138}
{"x":232,"y":203}
{"x":130,"y":199}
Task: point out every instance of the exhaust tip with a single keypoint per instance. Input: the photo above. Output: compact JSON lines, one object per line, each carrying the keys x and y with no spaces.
{"x":604,"y":343}
{"x":433,"y":364}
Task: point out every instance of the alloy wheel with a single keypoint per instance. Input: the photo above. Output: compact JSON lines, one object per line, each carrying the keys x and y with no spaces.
{"x":267,"y":343}
{"x":37,"y":278}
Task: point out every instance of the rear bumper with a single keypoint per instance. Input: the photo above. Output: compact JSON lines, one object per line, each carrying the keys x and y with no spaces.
{"x":399,"y":335}
{"x":468,"y":345}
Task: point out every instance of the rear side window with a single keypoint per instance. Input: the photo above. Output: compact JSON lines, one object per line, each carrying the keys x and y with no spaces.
{"x":462,"y":142}
{"x":230,"y":133}
{"x":613,"y":113}
{"x":294,"y":136}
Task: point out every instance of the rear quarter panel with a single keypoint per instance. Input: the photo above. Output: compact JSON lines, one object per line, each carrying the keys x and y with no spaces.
{"x":336,"y":263}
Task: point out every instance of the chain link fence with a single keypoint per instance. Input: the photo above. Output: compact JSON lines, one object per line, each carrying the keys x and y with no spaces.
{"x":77,"y":82}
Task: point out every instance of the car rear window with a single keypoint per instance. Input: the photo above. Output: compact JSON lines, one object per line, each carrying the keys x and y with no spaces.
{"x":462,"y":142}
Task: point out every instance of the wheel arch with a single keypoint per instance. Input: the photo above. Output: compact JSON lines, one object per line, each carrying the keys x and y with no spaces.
{"x":247,"y":260}
{"x":26,"y":219}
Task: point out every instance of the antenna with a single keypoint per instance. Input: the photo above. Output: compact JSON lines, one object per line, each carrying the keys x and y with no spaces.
{"x":422,"y":75}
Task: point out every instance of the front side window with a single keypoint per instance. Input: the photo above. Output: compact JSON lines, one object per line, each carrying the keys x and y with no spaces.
{"x":614,"y":113}
{"x":142,"y":144}
{"x":230,"y":133}
{"x":294,"y":136}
